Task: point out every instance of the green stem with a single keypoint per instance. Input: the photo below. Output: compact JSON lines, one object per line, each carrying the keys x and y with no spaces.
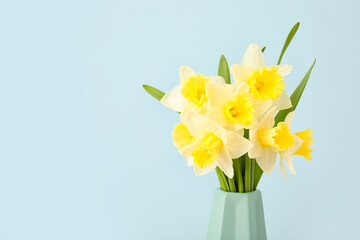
{"x":232,"y":184}
{"x":222,"y":180}
{"x":247,"y":174}
{"x":238,"y":174}
{"x":252,"y":174}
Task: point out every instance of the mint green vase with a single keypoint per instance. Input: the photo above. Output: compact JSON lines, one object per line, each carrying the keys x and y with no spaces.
{"x":237,"y":216}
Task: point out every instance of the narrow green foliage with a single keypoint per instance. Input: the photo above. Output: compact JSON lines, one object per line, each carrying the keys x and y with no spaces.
{"x":263,"y":49}
{"x":238,"y":174}
{"x":248,"y":174}
{"x":288,"y":40}
{"x":156,"y":93}
{"x":232,"y":184}
{"x":295,"y":97}
{"x":222,"y":180}
{"x":258,"y":172}
{"x":223,"y":70}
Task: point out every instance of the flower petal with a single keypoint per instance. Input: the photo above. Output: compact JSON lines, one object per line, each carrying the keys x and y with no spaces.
{"x":283,"y":102}
{"x":261,"y":107}
{"x":288,"y":119}
{"x":282,"y":168}
{"x":288,"y":153}
{"x":255,"y":151}
{"x":217,"y":93}
{"x":241,"y":73}
{"x":225,"y":163}
{"x":185,"y":73}
{"x":174,"y":100}
{"x":189,"y":161}
{"x":218,"y":115}
{"x":268,"y":120}
{"x":198,"y":124}
{"x":202,"y":171}
{"x":267,"y":160}
{"x":236,"y":144}
{"x":289,"y":162}
{"x":216,"y":79}
{"x":284,"y":70}
{"x":253,"y":57}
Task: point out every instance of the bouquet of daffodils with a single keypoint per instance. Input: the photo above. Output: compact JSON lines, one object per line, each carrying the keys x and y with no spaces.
{"x":238,"y":128}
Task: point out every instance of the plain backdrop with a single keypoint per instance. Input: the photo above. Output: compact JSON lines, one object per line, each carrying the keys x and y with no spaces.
{"x":86,"y":153}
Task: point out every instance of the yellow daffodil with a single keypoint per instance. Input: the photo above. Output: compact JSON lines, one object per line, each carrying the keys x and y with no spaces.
{"x":265,"y":82}
{"x":268,"y":141}
{"x":233,"y":107}
{"x":208,"y":145}
{"x":191,"y":92}
{"x":303,"y":150}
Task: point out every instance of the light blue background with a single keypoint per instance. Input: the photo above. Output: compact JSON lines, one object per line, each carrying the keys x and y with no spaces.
{"x":85,"y":153}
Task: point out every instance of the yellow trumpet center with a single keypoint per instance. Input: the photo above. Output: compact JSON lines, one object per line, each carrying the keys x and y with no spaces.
{"x":239,"y":109}
{"x":181,"y":136}
{"x":193,"y":89}
{"x":305,"y":149}
{"x":278,"y":137}
{"x":206,"y":153}
{"x":266,"y":83}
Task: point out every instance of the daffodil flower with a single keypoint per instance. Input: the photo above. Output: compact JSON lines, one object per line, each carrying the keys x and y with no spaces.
{"x":268,"y":141}
{"x":265,"y":83}
{"x":191,"y":92}
{"x":207,"y":145}
{"x":234,"y":107}
{"x":304,"y":150}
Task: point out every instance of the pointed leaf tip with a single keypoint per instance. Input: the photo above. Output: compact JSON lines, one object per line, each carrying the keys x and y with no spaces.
{"x":223,"y":70}
{"x":156,"y":93}
{"x":295,"y":96}
{"x":288,"y":40}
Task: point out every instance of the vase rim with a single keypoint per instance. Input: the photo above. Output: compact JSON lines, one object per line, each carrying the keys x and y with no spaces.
{"x":238,"y":193}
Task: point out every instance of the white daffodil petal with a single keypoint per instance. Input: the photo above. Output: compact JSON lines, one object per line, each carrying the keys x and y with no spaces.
{"x":187,"y":150}
{"x":216,"y":79}
{"x":224,"y":161}
{"x":288,"y":119}
{"x":289,"y":162}
{"x":268,"y":120}
{"x":288,"y":153}
{"x":236,"y":144}
{"x":261,"y":107}
{"x":174,"y":100}
{"x":202,"y":171}
{"x":284,"y":70}
{"x":255,"y":151}
{"x":267,"y":160}
{"x":189,"y":161}
{"x":217,"y":93}
{"x":198,"y":124}
{"x":242,"y":89}
{"x":241,"y":73}
{"x":282,"y":168}
{"x":254,"y":57}
{"x":185,"y":73}
{"x":283,"y":102}
{"x":218,"y":115}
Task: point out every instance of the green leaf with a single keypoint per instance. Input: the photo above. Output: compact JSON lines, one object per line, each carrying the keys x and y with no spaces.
{"x":258,"y":172}
{"x":295,"y":97}
{"x":156,"y":93}
{"x":238,"y":174}
{"x":222,"y":180}
{"x":288,"y":40}
{"x":263,"y":49}
{"x":281,"y":115}
{"x":232,"y":184}
{"x":223,"y":70}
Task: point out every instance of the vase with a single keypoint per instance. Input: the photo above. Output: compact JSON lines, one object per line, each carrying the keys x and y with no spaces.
{"x":237,"y":216}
